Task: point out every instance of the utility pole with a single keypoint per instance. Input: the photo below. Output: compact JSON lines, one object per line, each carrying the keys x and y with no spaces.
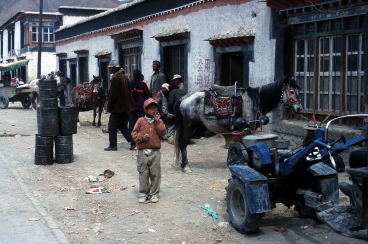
{"x":39,"y":41}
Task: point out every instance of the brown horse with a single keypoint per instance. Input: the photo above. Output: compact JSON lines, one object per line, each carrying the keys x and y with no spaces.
{"x":90,"y":95}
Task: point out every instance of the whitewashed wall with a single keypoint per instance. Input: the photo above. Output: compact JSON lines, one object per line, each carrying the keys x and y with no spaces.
{"x":48,"y":64}
{"x":94,"y":45}
{"x":5,"y":45}
{"x":205,"y":24}
{"x":202,"y":25}
{"x":17,"y":37}
{"x":68,"y":20}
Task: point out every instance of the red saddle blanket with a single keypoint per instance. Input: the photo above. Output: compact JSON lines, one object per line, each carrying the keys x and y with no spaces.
{"x":85,"y":92}
{"x":222,"y":106}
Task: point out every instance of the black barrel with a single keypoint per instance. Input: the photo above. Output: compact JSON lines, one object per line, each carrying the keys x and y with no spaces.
{"x":64,"y":149}
{"x":44,"y":150}
{"x":48,"y":93}
{"x":48,"y":121}
{"x":68,"y":120}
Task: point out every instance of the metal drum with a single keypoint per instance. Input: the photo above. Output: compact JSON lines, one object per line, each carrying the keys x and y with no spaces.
{"x":68,"y":120}
{"x":47,"y":93}
{"x":44,"y":150}
{"x":47,"y":121}
{"x":64,"y":149}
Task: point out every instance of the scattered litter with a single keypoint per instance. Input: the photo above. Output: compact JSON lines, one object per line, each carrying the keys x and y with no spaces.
{"x":123,"y":188}
{"x":108,"y":174}
{"x":180,"y":186}
{"x":39,"y":179}
{"x":303,"y":227}
{"x":218,"y":240}
{"x":281,"y":230}
{"x":211,"y":212}
{"x":69,"y":208}
{"x":151,"y":230}
{"x":33,"y":219}
{"x":94,"y":190}
{"x":98,"y":224}
{"x":91,"y":178}
{"x":223,"y":224}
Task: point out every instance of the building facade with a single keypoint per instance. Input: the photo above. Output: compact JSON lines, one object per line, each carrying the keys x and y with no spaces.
{"x":206,"y":42}
{"x":19,"y":38}
{"x":324,"y":49}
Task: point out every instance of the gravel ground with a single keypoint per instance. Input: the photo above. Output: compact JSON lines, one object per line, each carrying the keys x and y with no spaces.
{"x":115,"y":216}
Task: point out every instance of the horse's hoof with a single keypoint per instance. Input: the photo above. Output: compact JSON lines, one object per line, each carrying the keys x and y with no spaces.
{"x":187,"y":169}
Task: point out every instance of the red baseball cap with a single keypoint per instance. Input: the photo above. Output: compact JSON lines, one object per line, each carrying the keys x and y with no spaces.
{"x":148,"y":102}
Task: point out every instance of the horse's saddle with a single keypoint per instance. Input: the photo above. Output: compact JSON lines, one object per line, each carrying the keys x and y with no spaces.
{"x":223,"y":91}
{"x":222,"y":102}
{"x":85,"y":92}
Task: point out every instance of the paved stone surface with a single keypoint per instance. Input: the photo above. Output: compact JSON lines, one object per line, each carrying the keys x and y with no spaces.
{"x":23,"y":219}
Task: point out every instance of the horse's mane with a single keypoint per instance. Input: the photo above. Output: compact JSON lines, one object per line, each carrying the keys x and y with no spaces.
{"x":268,"y":96}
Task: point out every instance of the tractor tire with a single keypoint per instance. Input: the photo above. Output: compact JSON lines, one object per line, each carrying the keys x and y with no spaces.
{"x":26,"y":101}
{"x":237,"y":154}
{"x":4,"y":101}
{"x":237,"y":208}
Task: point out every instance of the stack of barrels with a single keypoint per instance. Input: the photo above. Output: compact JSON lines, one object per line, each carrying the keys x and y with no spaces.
{"x":54,"y":124}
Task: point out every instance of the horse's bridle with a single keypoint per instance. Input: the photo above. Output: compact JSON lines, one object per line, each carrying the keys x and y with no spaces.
{"x":289,"y":96}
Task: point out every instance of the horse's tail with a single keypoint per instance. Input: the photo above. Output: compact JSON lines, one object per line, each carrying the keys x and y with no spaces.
{"x":179,"y":129}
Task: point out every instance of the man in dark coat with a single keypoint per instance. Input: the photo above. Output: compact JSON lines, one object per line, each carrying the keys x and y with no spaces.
{"x":120,"y":103}
{"x":157,"y":79}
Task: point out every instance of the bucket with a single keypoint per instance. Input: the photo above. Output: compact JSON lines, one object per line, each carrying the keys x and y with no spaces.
{"x":237,"y":135}
{"x":47,"y":121}
{"x":64,"y":149}
{"x":44,"y":150}
{"x":68,"y":120}
{"x":47,"y":93}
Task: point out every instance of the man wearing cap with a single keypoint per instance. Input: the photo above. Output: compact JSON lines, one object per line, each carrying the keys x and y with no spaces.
{"x":120,"y":103}
{"x":161,"y":98}
{"x":157,"y":79}
{"x":178,"y":81}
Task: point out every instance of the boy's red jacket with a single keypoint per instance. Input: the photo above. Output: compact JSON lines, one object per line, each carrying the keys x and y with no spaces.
{"x":155,"y":130}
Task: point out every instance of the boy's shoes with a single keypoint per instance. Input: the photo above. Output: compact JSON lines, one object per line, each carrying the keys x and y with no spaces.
{"x":133,"y":144}
{"x":110,"y":148}
{"x":154,"y":199}
{"x":142,"y":199}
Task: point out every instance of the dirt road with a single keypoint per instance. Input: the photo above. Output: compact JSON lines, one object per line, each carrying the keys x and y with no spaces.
{"x":116,"y":216}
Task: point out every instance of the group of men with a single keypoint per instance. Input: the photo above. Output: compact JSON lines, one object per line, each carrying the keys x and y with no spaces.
{"x":121,"y":100}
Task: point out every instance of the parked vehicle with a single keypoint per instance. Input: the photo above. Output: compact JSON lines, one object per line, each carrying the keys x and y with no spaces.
{"x":9,"y":93}
{"x":265,"y":172}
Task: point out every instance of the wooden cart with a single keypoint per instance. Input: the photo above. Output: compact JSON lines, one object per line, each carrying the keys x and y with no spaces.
{"x":10,"y":94}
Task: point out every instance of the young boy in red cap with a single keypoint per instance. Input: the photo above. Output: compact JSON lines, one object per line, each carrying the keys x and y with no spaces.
{"x":147,"y":134}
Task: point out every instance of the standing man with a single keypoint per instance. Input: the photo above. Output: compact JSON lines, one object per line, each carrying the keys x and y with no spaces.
{"x":157,"y":79}
{"x":178,"y":81}
{"x":120,"y":103}
{"x":61,"y":86}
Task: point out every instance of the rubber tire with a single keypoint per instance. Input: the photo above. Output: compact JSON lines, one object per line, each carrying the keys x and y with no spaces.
{"x":26,"y":101}
{"x":4,"y":101}
{"x":237,"y":208}
{"x":237,"y":151}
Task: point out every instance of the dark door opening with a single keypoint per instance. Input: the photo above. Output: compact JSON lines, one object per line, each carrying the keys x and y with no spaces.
{"x":232,"y":69}
{"x":83,"y":70}
{"x":73,"y":75}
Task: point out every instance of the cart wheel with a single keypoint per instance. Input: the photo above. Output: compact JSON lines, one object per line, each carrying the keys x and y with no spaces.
{"x":4,"y":101}
{"x":237,"y":154}
{"x":26,"y":101}
{"x":237,"y":208}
